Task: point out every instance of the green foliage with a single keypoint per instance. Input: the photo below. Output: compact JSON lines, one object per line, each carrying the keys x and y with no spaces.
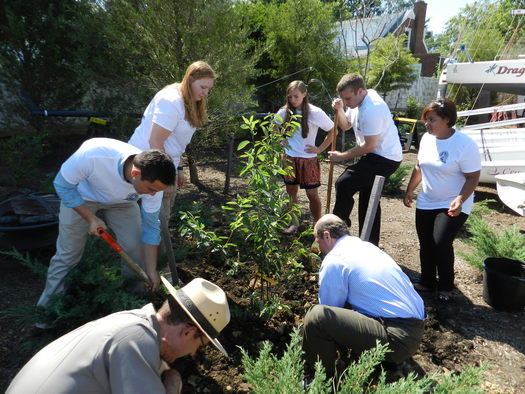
{"x":270,"y":374}
{"x":394,"y":183}
{"x":95,"y":288}
{"x":357,"y":375}
{"x":264,"y":211}
{"x":414,"y":108}
{"x":247,"y":231}
{"x":369,"y":8}
{"x":485,"y":242}
{"x":485,"y":28}
{"x":51,"y":51}
{"x":267,"y":307}
{"x":391,"y":64}
{"x":297,"y":39}
{"x":206,"y":242}
{"x":26,"y":149}
{"x":157,"y":40}
{"x":25,"y":259}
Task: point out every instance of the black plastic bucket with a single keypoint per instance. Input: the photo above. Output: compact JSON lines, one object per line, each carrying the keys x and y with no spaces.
{"x":504,"y":284}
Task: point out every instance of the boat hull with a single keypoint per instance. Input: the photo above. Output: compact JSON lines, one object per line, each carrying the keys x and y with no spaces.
{"x":511,"y":191}
{"x":502,"y":151}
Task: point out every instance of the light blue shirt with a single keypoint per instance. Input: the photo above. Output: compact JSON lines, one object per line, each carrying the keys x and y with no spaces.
{"x":71,"y":198}
{"x":362,"y":275}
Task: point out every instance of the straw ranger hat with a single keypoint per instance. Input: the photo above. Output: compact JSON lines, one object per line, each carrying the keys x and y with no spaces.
{"x":206,"y":304}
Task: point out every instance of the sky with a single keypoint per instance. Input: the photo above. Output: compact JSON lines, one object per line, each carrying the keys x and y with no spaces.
{"x":440,"y":11}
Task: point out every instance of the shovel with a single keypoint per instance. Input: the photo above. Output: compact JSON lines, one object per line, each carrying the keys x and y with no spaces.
{"x":331,"y":172}
{"x":129,"y":261}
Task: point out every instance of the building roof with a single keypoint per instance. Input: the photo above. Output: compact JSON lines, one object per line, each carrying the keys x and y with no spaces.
{"x":358,"y":35}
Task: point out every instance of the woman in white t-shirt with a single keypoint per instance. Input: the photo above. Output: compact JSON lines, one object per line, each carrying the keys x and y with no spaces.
{"x":448,"y":169}
{"x":301,"y":151}
{"x":171,"y":118}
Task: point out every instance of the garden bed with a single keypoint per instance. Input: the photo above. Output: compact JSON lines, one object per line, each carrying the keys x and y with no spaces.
{"x":465,"y":332}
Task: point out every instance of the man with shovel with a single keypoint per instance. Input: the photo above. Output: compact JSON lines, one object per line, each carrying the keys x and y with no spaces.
{"x":102,"y":182}
{"x":127,"y":352}
{"x":377,"y":147}
{"x":363,"y":297}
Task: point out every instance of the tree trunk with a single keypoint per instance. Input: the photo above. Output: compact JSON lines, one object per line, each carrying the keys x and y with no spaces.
{"x":194,"y":175}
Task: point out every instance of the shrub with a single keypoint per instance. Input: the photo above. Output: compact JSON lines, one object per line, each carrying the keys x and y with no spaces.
{"x":394,"y":183}
{"x":414,"y":108}
{"x":21,"y":156}
{"x":95,"y":288}
{"x":270,"y":374}
{"x":485,"y":242}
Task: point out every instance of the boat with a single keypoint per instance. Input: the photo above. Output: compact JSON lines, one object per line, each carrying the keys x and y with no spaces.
{"x":501,"y":143}
{"x":502,"y":151}
{"x":498,"y":75}
{"x":511,"y":191}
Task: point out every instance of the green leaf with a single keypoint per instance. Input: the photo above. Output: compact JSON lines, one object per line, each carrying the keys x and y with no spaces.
{"x":243,"y":144}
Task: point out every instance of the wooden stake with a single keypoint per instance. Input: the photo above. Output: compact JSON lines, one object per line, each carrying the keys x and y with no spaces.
{"x":331,"y":172}
{"x":375,"y":196}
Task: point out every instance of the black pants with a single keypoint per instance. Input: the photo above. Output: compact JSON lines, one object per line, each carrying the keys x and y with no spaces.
{"x":360,"y":177}
{"x":436,"y":232}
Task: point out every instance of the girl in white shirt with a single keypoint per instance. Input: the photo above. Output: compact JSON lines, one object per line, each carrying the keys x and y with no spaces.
{"x":448,"y":169}
{"x":171,"y":118}
{"x":301,"y":151}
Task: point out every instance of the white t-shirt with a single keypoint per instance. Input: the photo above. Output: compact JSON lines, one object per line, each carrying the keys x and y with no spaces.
{"x":166,"y":110}
{"x":95,"y":168}
{"x":317,"y":118}
{"x":372,"y":117}
{"x":443,"y":164}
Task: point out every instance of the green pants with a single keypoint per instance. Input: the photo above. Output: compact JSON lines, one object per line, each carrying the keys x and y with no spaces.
{"x":326,"y":329}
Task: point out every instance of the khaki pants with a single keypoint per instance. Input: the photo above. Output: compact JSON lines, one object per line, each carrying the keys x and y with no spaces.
{"x":326,"y":329}
{"x":123,"y":218}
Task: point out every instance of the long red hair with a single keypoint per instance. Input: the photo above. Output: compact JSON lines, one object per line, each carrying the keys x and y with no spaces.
{"x":196,"y":111}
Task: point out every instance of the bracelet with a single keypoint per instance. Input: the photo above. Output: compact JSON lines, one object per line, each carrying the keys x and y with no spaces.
{"x":179,"y":168}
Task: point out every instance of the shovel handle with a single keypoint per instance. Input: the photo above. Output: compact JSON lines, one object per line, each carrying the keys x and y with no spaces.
{"x":109,"y":239}
{"x":128,"y":260}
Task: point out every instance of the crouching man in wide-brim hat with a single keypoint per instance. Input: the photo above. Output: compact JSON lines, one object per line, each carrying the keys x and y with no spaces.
{"x":125,"y":352}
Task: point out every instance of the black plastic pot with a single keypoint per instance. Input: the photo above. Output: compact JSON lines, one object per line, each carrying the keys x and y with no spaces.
{"x":504,"y":284}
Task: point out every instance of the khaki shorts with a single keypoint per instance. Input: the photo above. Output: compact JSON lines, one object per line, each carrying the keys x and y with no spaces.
{"x":307,"y":172}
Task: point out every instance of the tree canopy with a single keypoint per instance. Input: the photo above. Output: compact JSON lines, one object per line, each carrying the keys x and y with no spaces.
{"x":391,"y":64}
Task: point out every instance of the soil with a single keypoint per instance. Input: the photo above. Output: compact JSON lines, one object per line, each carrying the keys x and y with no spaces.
{"x":460,"y":333}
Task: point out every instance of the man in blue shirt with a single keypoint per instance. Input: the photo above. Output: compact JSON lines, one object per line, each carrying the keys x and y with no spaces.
{"x":364,"y":296}
{"x":102,"y":182}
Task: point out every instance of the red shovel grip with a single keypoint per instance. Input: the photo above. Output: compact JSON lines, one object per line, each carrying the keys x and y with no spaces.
{"x":109,"y":239}
{"x":117,"y":248}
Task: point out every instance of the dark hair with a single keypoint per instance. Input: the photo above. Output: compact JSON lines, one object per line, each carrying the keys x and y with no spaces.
{"x":155,"y":165}
{"x":172,"y":312}
{"x":300,"y":86}
{"x":337,"y":228}
{"x":444,"y":108}
{"x":353,"y":81}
